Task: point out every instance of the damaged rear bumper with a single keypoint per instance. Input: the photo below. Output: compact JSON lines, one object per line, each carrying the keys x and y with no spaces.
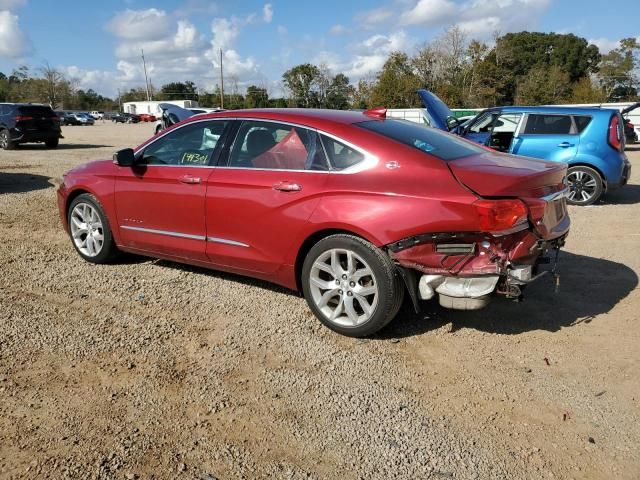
{"x":465,"y":269}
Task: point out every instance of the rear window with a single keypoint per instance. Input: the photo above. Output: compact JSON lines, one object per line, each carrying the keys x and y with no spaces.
{"x":36,"y":111}
{"x":429,"y":140}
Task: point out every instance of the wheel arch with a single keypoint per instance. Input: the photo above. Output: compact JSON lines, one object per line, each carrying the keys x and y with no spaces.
{"x":311,"y":240}
{"x":592,"y":167}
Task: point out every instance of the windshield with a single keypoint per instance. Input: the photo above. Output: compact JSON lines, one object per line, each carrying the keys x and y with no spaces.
{"x":435,"y":142}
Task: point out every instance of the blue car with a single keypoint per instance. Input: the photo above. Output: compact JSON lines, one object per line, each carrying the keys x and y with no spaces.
{"x":589,"y":140}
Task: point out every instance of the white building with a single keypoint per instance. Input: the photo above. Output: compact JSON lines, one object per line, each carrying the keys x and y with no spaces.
{"x":153,"y":107}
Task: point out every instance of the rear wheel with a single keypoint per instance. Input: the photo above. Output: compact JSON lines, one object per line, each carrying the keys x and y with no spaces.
{"x":89,"y":230}
{"x":351,"y":286}
{"x":5,"y":140}
{"x":585,"y":185}
{"x":52,"y":143}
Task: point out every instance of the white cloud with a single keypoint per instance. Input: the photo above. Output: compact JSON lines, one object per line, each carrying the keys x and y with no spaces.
{"x":225,"y":32}
{"x":430,"y":12}
{"x":98,"y":80}
{"x":604,"y":44}
{"x":267,"y":13}
{"x":371,"y":54}
{"x":13,"y":42}
{"x":150,"y":24}
{"x":479,"y":18}
{"x":368,"y":56}
{"x":337,"y":29}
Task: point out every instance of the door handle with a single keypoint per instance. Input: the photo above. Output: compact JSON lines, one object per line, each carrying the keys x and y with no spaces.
{"x":565,"y":144}
{"x":287,"y":187}
{"x":189,"y":179}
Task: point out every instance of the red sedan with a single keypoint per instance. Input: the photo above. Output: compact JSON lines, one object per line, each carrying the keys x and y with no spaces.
{"x":147,"y":117}
{"x":352,"y":209}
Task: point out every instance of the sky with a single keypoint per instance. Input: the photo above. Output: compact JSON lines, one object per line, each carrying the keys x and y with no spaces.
{"x":97,"y":44}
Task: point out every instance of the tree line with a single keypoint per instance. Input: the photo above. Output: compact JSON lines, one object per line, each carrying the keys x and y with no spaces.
{"x":517,"y":68}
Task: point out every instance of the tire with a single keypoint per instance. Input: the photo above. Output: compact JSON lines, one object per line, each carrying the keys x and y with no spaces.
{"x":585,"y":186}
{"x":79,"y":214}
{"x":335,"y":291}
{"x":5,"y":140}
{"x":52,"y":143}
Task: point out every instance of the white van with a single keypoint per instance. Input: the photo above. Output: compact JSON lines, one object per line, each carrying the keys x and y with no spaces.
{"x":97,"y":115}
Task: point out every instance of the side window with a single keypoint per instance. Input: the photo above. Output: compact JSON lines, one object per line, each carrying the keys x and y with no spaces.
{"x":507,"y":122}
{"x":548,"y":125}
{"x":190,"y":145}
{"x":340,"y":155}
{"x":277,"y":146}
{"x":582,"y":121}
{"x":483,"y":124}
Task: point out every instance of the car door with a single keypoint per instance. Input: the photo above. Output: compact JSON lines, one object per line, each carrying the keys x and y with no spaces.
{"x":548,"y":136}
{"x":479,"y":130}
{"x":160,"y":201}
{"x":263,"y":194}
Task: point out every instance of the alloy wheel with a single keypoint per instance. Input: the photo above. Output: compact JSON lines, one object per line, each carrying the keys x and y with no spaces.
{"x":582,"y":186}
{"x":86,"y":229}
{"x":4,"y":139}
{"x":343,"y":287}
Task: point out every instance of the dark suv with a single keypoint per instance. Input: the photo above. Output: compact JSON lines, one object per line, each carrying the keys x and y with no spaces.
{"x":26,"y":122}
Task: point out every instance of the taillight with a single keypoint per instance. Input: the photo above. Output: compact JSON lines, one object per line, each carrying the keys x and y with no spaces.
{"x":614,"y":137}
{"x":22,"y":118}
{"x":500,"y":215}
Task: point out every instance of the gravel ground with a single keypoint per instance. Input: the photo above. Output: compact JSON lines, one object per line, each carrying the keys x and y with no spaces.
{"x":149,"y":369}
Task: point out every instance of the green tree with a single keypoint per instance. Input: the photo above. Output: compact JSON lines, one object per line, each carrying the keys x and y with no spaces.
{"x":300,"y":82}
{"x":396,"y":84}
{"x":362,"y":94}
{"x":178,"y":91}
{"x":618,"y":70}
{"x":256,"y":97}
{"x":522,"y":52}
{"x":138,"y":94}
{"x":544,"y":85}
{"x":586,"y":91}
{"x":339,"y":92}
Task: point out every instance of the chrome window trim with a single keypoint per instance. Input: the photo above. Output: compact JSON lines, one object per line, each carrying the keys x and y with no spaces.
{"x":167,"y":131}
{"x":369,"y":161}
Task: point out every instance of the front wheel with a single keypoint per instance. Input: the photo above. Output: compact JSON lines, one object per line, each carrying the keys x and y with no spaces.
{"x":585,"y":185}
{"x":89,"y":230}
{"x":351,"y":286}
{"x":5,"y":140}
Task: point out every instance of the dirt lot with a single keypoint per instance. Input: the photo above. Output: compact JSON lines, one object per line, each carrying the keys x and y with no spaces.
{"x":148,"y":369}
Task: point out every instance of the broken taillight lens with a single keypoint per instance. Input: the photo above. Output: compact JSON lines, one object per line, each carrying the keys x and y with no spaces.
{"x":500,"y":215}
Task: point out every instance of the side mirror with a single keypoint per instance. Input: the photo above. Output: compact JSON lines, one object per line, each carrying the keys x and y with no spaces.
{"x":124,"y":157}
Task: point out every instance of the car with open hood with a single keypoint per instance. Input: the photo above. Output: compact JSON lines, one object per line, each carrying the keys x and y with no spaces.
{"x":590,"y":141}
{"x":352,"y":209}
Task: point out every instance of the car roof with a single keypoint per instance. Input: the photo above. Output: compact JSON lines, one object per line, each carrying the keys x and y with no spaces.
{"x":25,"y":104}
{"x":560,"y":110}
{"x":304,"y":116}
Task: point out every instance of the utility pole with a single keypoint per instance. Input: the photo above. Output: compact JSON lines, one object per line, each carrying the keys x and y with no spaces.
{"x":119,"y":102}
{"x":146,"y":79}
{"x":221,"y":83}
